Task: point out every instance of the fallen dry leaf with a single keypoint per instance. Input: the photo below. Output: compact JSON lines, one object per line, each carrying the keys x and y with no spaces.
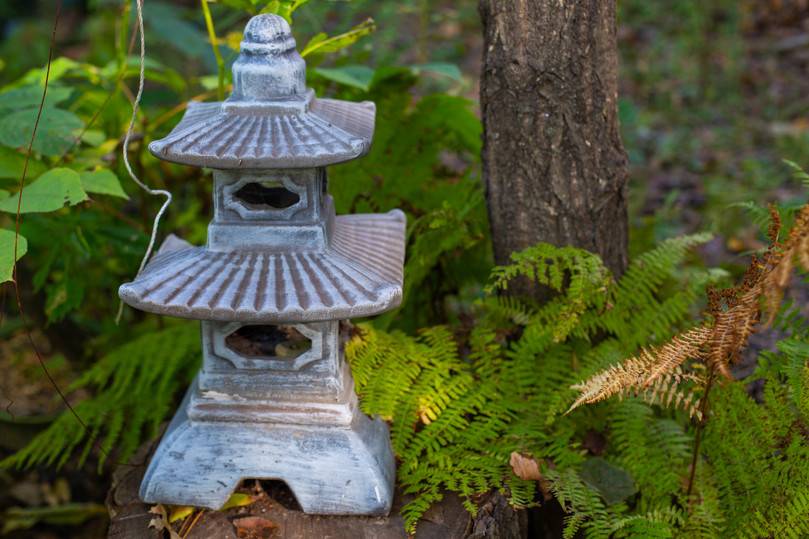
{"x":162,"y":521}
{"x":254,"y":528}
{"x":525,"y":467}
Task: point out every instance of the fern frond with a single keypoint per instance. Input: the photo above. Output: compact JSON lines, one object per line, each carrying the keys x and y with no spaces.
{"x":585,"y":508}
{"x":634,"y":301}
{"x":548,"y":265}
{"x":653,"y":450}
{"x":797,"y":172}
{"x":758,"y":214}
{"x":640,"y":372}
{"x":758,"y":455}
{"x":659,"y":523}
{"x":507,"y":310}
{"x":135,"y":387}
{"x":790,"y":521}
{"x":667,"y":391}
{"x":705,"y":519}
{"x":448,"y":423}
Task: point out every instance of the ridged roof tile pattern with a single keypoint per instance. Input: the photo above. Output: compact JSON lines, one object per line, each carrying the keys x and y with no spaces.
{"x":329,"y":132}
{"x":360,"y":274}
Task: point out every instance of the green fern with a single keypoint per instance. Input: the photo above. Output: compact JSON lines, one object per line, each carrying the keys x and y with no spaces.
{"x":758,"y":454}
{"x":457,"y":419}
{"x":135,"y":389}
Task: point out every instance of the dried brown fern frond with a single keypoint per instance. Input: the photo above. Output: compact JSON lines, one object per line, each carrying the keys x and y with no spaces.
{"x":639,"y":374}
{"x":668,"y":391}
{"x":734,"y":321}
{"x":781,"y":258}
{"x":657,"y":374}
{"x":670,"y":356}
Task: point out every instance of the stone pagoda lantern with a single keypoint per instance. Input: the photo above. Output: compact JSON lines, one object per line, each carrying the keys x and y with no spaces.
{"x":275,"y":398}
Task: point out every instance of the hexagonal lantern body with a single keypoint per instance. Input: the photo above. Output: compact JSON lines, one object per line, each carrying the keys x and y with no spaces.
{"x":274,"y":398}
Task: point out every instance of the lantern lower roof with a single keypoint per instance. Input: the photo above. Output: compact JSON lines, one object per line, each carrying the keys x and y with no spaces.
{"x":359,"y":274}
{"x":309,"y":132}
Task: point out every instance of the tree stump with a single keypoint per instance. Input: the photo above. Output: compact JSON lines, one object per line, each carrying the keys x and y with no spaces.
{"x":277,"y":515}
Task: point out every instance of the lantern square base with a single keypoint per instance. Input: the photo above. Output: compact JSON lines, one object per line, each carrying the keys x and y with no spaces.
{"x":332,"y":470}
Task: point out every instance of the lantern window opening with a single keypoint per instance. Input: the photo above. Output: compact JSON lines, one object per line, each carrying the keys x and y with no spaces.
{"x":259,"y":198}
{"x":283,"y":342}
{"x":268,"y":194}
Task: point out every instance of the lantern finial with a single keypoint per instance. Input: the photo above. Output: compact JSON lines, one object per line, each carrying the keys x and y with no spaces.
{"x":269,"y":67}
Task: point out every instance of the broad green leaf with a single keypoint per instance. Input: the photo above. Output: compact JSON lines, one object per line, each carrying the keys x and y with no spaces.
{"x":155,"y":72}
{"x":321,"y":45}
{"x":7,"y":253}
{"x":168,"y":26}
{"x":356,"y":76}
{"x":31,"y":96}
{"x":440,"y":68}
{"x":59,"y":68}
{"x":55,"y":133}
{"x":49,"y":192}
{"x":12,"y":162}
{"x":102,"y":182}
{"x":94,"y":137}
{"x":613,"y":483}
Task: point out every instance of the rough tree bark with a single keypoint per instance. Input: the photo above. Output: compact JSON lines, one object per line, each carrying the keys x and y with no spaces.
{"x":553,"y":161}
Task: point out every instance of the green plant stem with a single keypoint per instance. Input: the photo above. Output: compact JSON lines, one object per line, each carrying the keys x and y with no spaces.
{"x":220,"y":63}
{"x":698,"y":435}
{"x":123,"y":25}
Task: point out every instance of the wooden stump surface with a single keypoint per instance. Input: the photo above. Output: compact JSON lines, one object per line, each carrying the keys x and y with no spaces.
{"x":278,"y":510}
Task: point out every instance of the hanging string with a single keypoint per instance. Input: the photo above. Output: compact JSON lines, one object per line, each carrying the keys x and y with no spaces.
{"x":129,"y":131}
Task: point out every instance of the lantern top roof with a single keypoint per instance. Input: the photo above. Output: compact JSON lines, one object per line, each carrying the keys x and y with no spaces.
{"x":271,"y":120}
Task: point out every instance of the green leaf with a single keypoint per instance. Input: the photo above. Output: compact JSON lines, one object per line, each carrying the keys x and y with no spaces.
{"x":7,"y":253}
{"x":49,"y":192}
{"x":180,"y":512}
{"x":102,"y":182}
{"x":55,"y":133}
{"x":169,"y":26}
{"x":94,"y":137}
{"x":321,"y":45}
{"x":613,"y":483}
{"x":355,"y":76}
{"x":31,"y":96}
{"x":237,"y":499}
{"x":59,"y":68}
{"x":440,"y":68}
{"x":284,"y":8}
{"x":12,"y":162}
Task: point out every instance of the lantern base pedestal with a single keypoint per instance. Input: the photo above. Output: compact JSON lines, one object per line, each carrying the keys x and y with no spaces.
{"x":332,"y":470}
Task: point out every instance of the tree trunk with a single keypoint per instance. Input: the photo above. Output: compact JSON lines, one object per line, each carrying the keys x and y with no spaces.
{"x":553,"y":161}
